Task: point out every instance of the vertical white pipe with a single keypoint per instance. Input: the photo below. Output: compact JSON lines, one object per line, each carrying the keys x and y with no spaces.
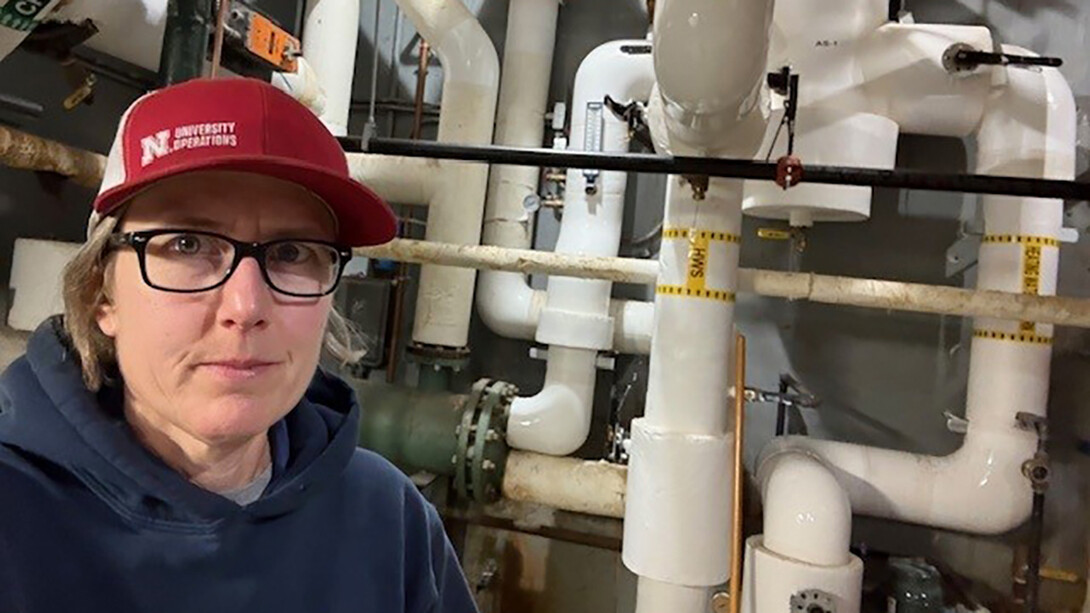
{"x":505,"y":301}
{"x":677,"y":516}
{"x":330,"y":33}
{"x":470,"y":87}
{"x":576,"y":320}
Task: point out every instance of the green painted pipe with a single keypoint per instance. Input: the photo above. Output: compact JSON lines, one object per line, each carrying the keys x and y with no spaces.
{"x":185,"y":42}
{"x":415,"y":429}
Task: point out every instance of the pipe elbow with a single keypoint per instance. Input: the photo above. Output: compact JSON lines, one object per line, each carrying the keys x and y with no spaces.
{"x":508,"y":305}
{"x":807,"y":515}
{"x":555,"y":421}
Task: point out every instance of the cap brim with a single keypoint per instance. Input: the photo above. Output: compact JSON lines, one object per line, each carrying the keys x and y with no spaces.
{"x":362,"y":217}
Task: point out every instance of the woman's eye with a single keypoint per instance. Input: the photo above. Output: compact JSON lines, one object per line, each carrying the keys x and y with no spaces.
{"x":186,"y":244}
{"x":289,"y":253}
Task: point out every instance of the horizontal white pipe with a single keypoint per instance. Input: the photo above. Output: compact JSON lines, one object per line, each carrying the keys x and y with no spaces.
{"x":1027,"y":130}
{"x":807,"y":516}
{"x":580,"y":486}
{"x":468,"y":109}
{"x":400,"y":180}
{"x":845,"y":291}
{"x":556,"y":420}
{"x":330,"y":34}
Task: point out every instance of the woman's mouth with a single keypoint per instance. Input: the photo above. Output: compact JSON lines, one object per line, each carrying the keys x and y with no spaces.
{"x":237,"y":370}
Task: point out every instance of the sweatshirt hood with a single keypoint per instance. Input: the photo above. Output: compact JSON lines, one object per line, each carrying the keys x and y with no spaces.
{"x":48,"y":416}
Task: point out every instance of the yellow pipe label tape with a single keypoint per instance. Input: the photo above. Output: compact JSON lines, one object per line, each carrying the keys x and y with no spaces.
{"x":1018,"y":338}
{"x":696,"y":272}
{"x":711,"y":294}
{"x":1040,"y":241}
{"x":706,"y":235}
{"x":1031,"y":265}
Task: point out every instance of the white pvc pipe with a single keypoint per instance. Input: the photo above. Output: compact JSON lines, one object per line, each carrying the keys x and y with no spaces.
{"x":505,"y":301}
{"x":468,"y":108}
{"x":330,"y":34}
{"x":575,"y":321}
{"x":1028,"y":130}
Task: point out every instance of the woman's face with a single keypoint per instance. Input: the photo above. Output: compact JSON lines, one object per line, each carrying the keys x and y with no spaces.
{"x":225,"y":364}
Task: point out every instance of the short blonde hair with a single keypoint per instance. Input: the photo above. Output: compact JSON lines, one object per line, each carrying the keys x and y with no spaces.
{"x":86,"y":282}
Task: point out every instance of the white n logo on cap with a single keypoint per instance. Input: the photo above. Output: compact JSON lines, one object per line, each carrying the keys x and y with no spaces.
{"x":155,"y":146}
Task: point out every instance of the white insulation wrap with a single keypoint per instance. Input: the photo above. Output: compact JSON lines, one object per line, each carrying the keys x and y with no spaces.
{"x":1028,"y":130}
{"x":471,"y":72}
{"x":769,"y":581}
{"x":677,"y":513}
{"x":505,"y":301}
{"x":330,"y":34}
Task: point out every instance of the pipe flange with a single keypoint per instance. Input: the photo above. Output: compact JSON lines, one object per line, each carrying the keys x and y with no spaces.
{"x":813,"y":601}
{"x":482,"y":447}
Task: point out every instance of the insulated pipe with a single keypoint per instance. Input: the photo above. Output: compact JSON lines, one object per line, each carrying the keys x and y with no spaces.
{"x":569,"y":484}
{"x":700,"y":110}
{"x":304,"y":85}
{"x":556,"y":420}
{"x":396,"y":179}
{"x":505,"y":301}
{"x":1029,"y":130}
{"x":807,"y":515}
{"x":677,"y":513}
{"x":807,"y":532}
{"x":845,"y":291}
{"x":468,"y":108}
{"x":26,"y":151}
{"x":330,"y":34}
{"x":575,"y":321}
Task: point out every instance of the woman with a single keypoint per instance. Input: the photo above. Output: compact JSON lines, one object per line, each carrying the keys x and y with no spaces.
{"x":171,"y":444}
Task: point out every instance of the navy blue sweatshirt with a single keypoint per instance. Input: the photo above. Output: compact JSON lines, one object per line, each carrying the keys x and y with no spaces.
{"x":91,"y":521}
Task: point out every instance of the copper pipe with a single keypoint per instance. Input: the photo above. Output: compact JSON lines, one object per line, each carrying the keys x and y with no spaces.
{"x":403,"y":267}
{"x":421,"y":82}
{"x":739,"y":473}
{"x":217,"y":45}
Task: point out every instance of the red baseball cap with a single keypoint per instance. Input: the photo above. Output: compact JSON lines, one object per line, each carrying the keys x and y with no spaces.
{"x":245,"y":125}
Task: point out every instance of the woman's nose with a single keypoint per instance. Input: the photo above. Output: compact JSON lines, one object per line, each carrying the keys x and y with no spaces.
{"x":245,"y":297}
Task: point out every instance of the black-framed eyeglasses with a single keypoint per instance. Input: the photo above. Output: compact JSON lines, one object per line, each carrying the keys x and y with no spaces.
{"x":190,"y":261}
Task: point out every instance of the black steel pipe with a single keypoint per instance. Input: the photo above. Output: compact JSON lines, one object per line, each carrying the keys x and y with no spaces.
{"x":185,"y":43}
{"x":1033,"y":564}
{"x":727,"y":168}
